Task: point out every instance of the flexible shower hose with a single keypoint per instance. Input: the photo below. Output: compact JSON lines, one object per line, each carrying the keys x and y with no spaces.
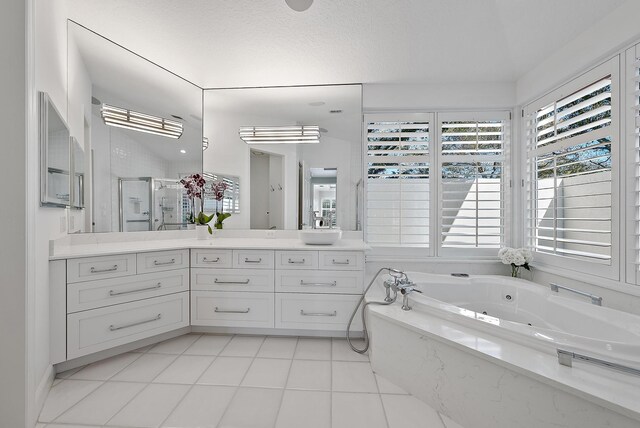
{"x":393,"y":272}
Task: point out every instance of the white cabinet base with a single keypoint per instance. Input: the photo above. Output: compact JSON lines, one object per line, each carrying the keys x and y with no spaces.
{"x":98,"y":329}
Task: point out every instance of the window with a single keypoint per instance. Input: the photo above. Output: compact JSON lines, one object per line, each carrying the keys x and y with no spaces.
{"x":398,"y":179}
{"x":472,"y":164}
{"x":572,"y":137}
{"x":465,"y":169}
{"x":633,"y":125}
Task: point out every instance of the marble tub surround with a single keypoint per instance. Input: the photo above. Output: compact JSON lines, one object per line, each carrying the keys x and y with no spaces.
{"x":207,"y":380}
{"x":485,"y":381}
{"x":97,"y":244}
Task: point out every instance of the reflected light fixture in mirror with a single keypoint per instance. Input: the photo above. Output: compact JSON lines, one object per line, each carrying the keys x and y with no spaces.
{"x":129,"y":119}
{"x":298,"y":134}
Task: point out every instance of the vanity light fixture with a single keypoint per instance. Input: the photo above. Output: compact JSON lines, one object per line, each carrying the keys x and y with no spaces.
{"x":129,"y":119}
{"x":292,"y":134}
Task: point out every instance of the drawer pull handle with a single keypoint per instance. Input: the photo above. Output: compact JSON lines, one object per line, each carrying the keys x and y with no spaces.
{"x":222,"y":311}
{"x":247,"y":260}
{"x":206,"y":260}
{"x":319,"y":284}
{"x":296,"y":262}
{"x":318,"y":314}
{"x":119,"y":293}
{"x":120,"y":327}
{"x":246,"y":281}
{"x":170,"y":262}
{"x":111,"y":269}
{"x":340,"y":263}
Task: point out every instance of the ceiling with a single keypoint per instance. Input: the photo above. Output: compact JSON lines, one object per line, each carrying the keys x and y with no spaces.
{"x":230,"y":43}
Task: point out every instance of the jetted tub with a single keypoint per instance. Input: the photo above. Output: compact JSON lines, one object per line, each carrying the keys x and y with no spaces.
{"x":483,"y":350}
{"x":531,"y":315}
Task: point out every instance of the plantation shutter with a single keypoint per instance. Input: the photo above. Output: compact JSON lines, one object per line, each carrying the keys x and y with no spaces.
{"x":570,"y":143}
{"x":398,"y":179}
{"x":472,"y":166}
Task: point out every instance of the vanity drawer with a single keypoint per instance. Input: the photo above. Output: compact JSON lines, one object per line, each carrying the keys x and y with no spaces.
{"x":305,"y":281}
{"x":232,"y":280}
{"x":253,"y":259}
{"x":211,"y":258}
{"x":103,"y":267}
{"x":99,"y":329}
{"x":162,"y":260}
{"x":296,"y":260}
{"x":316,"y":311}
{"x":341,"y":260}
{"x":218,"y":308}
{"x":96,"y":294}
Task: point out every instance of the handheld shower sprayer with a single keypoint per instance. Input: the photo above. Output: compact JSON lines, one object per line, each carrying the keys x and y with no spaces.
{"x":396,"y":282}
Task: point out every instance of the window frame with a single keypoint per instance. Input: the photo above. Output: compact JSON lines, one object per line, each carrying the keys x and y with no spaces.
{"x":612,"y":271}
{"x":435,"y":248}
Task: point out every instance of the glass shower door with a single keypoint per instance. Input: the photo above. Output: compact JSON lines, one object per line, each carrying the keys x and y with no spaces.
{"x":135,"y":204}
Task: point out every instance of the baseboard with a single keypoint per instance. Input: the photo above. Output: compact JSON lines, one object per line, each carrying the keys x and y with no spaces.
{"x":42,"y":389}
{"x":88,"y":359}
{"x":273,"y":331}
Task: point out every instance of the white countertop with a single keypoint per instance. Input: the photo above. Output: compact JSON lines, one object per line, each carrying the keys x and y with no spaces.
{"x":69,"y":250}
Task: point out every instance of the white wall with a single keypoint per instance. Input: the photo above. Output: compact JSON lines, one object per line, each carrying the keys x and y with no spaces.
{"x":429,"y":97}
{"x":596,"y":43}
{"x":14,"y":391}
{"x":259,"y":193}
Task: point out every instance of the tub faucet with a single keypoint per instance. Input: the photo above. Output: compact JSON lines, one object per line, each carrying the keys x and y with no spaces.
{"x":405,"y":290}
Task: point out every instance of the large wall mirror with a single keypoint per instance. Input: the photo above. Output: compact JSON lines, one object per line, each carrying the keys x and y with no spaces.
{"x":138,"y":130}
{"x":297,"y":152}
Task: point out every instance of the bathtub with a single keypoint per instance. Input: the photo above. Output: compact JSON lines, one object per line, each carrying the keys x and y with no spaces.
{"x":483,"y":351}
{"x":531,"y":315}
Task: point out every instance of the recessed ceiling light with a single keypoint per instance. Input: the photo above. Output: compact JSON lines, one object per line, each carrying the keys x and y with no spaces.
{"x":183,"y":151}
{"x":317,"y":103}
{"x":299,"y":5}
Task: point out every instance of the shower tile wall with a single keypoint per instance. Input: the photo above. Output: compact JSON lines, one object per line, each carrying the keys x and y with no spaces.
{"x":122,"y":157}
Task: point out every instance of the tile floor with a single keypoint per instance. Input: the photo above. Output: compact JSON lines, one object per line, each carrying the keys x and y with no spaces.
{"x":210,"y":381}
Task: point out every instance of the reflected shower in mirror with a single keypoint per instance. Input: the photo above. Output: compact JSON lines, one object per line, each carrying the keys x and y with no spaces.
{"x":273,"y":138}
{"x":142,"y":133}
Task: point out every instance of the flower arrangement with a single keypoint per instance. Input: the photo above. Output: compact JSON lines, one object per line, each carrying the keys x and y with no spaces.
{"x":195,"y":184}
{"x":517,"y":258}
{"x":218,"y":188}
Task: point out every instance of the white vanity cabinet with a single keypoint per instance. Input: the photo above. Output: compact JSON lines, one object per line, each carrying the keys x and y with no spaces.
{"x":105,"y":301}
{"x":321,"y":295}
{"x":239,"y":296}
{"x":102,"y":302}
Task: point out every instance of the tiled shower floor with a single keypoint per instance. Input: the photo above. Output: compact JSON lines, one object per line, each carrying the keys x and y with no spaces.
{"x":234,"y":381}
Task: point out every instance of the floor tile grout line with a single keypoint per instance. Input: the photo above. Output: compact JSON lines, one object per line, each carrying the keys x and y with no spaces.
{"x":215,"y":357}
{"x":236,"y":391}
{"x":331,"y":382}
{"x":176,"y":356}
{"x":53,"y":421}
{"x":384,"y":411}
{"x":286,"y":381}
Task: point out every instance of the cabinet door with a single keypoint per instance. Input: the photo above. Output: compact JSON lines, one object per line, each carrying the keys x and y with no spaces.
{"x":216,"y":308}
{"x":232,"y":280}
{"x":341,"y":260}
{"x":158,"y":261}
{"x":82,"y":296}
{"x":307,"y":281}
{"x":316,"y":311}
{"x":90,"y":268}
{"x":211,"y":258}
{"x":253,"y":259}
{"x":104,"y":328}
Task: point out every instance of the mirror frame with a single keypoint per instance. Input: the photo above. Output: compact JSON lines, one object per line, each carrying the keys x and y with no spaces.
{"x":44,"y":102}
